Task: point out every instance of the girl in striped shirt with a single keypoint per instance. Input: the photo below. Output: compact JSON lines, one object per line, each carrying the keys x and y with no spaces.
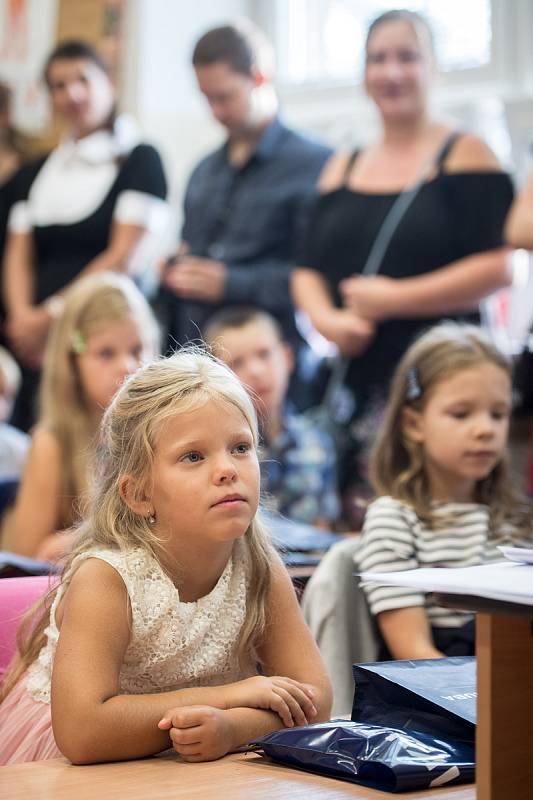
{"x":445,"y":496}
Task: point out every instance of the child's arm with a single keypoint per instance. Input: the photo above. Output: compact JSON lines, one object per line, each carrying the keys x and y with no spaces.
{"x":407,"y":633}
{"x":389,"y":544}
{"x":37,"y":505}
{"x":289,"y":648}
{"x":201,"y":734}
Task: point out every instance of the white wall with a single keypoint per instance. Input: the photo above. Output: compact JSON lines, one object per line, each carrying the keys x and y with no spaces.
{"x":159,"y":85}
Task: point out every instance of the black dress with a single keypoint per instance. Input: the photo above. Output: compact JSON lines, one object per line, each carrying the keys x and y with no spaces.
{"x":61,"y":251}
{"x":454,"y":215}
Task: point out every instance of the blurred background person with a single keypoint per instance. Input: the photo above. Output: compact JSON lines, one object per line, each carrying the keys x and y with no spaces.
{"x":245,"y":203}
{"x":85,"y":208}
{"x":445,"y":255}
{"x":12,"y":153}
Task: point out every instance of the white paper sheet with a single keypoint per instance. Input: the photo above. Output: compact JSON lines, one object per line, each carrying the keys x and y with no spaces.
{"x":524,"y":555}
{"x":505,"y":580}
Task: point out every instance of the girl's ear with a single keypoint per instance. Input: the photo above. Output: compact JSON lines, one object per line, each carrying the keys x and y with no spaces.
{"x":135,"y":496}
{"x":411,"y":421}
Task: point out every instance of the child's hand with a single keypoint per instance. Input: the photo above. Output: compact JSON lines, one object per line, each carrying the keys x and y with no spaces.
{"x":291,"y":700}
{"x":199,"y":733}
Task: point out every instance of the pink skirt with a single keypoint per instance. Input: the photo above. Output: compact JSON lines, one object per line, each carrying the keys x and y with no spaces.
{"x":25,"y":728}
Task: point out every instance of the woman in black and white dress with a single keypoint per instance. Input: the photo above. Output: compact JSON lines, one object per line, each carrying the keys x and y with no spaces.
{"x":87,"y":207}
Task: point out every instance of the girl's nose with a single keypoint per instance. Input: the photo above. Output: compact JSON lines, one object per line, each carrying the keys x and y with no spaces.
{"x":485,"y":425}
{"x":224,"y":471}
{"x":127,"y":365}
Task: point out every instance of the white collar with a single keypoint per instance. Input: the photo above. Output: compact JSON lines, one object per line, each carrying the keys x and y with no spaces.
{"x":102,"y":146}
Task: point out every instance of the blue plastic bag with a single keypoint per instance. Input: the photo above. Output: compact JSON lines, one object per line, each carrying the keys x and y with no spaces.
{"x":435,"y":695}
{"x":383,"y":758}
{"x":412,"y":727}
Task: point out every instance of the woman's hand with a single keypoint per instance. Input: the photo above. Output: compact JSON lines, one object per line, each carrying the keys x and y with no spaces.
{"x":350,"y":332}
{"x":199,"y":733}
{"x":375,"y":298}
{"x":291,"y":700}
{"x":27,"y":330}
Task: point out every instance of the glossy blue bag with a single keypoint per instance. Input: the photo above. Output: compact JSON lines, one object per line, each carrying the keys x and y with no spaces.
{"x":436,"y":695}
{"x":412,"y":727}
{"x":373,"y":755}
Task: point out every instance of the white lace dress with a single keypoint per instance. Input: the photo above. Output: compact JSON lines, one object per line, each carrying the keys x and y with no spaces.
{"x":173,"y":645}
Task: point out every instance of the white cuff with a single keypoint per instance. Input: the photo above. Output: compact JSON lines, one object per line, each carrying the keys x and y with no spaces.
{"x":19,"y":218}
{"x":141,"y":208}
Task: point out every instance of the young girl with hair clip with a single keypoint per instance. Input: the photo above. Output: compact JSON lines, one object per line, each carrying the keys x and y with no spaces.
{"x":172,"y":596}
{"x":445,"y":497}
{"x":104,"y":333}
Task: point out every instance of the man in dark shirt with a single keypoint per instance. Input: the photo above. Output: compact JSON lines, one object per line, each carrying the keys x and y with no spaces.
{"x":246,"y":203}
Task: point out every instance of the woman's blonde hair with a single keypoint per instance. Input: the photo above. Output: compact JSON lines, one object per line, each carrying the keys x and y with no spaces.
{"x":397,"y":466}
{"x":91,"y":304}
{"x":130,"y":429}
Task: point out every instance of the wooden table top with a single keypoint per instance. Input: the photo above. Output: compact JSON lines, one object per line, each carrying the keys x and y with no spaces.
{"x":243,"y":776}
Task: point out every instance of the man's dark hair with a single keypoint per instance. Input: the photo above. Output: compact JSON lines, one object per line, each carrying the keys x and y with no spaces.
{"x":242,"y":47}
{"x":72,"y":50}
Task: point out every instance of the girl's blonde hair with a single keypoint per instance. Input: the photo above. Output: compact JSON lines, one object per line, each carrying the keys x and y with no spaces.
{"x":397,"y":463}
{"x":91,"y":304}
{"x":130,"y":429}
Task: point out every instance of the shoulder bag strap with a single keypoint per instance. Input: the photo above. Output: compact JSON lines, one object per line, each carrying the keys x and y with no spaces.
{"x":381,"y":243}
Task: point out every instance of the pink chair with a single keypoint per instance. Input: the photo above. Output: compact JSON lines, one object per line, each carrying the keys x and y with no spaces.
{"x":17,"y":595}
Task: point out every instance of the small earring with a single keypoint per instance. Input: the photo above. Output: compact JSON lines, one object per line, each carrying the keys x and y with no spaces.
{"x":151,"y":518}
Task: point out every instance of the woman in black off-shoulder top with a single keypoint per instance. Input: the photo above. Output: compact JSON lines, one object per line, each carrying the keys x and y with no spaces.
{"x":445,"y":255}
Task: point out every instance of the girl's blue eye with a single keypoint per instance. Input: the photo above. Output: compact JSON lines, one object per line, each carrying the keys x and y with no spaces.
{"x":242,"y":448}
{"x":192,"y":458}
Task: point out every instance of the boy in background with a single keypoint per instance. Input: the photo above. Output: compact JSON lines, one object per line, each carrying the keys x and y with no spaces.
{"x":298,"y":469}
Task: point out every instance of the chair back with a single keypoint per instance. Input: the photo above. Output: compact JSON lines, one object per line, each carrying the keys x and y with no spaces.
{"x":17,"y":595}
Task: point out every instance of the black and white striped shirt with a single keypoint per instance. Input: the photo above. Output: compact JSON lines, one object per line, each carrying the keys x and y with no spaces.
{"x":394,"y":539}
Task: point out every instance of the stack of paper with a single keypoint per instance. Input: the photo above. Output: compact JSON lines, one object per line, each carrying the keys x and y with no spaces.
{"x":508,"y":581}
{"x":524,"y":555}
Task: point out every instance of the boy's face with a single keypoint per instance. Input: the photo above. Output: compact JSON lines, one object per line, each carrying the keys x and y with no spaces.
{"x":260,"y":360}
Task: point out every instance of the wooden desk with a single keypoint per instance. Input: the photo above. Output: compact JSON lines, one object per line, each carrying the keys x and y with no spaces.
{"x":245,"y":776}
{"x":504,"y":731}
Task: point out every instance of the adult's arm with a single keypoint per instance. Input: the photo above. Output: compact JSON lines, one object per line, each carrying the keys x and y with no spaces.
{"x":18,"y":273}
{"x":519,"y":223}
{"x":344,"y":327}
{"x":455,"y":288}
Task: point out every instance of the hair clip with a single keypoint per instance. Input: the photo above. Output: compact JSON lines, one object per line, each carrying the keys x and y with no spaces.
{"x":414,"y":390}
{"x":78,"y":342}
